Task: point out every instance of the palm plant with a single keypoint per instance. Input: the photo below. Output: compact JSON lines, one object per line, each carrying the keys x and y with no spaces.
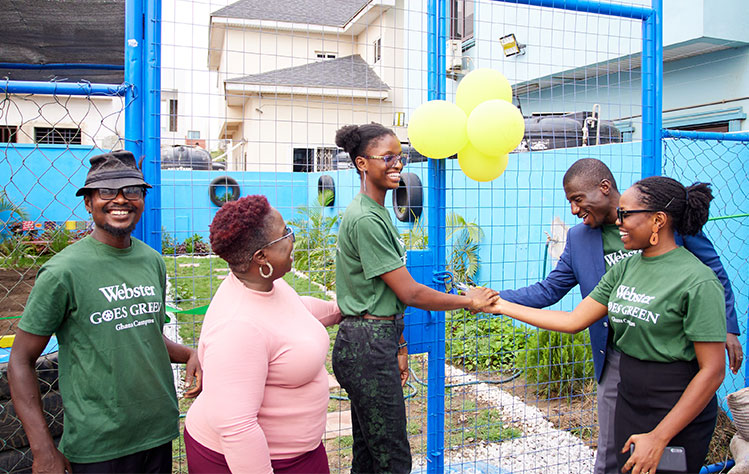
{"x":314,"y":251}
{"x":463,"y":238}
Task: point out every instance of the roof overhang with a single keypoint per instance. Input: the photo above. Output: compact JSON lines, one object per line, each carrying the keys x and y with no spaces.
{"x":237,"y":93}
{"x":627,"y":63}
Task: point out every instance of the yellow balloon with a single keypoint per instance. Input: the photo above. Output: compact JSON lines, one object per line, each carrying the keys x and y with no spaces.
{"x":495,"y":127}
{"x":481,"y":85}
{"x":481,"y":167}
{"x":437,"y":129}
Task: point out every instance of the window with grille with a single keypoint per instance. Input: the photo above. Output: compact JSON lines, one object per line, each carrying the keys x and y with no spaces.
{"x":8,"y":134}
{"x":172,"y":115}
{"x":461,"y":19}
{"x":57,"y":136}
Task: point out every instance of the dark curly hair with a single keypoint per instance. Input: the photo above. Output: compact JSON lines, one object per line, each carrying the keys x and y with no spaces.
{"x":239,"y":229}
{"x":355,"y":139}
{"x":670,"y":196}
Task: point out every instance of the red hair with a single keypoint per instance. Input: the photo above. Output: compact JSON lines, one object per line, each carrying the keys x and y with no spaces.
{"x":238,"y":230}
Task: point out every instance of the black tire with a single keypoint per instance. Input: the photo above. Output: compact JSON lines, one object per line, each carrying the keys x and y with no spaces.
{"x":408,"y":201}
{"x":46,"y":372}
{"x":326,"y":183}
{"x":18,"y":460}
{"x":12,"y":434}
{"x":223,"y":182}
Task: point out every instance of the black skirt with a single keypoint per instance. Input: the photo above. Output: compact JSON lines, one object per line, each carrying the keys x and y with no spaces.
{"x":647,"y":392}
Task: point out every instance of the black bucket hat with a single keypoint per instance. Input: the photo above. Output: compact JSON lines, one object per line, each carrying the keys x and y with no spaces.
{"x":114,"y":170}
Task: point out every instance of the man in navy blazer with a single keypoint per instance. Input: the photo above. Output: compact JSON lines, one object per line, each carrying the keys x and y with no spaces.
{"x":591,"y":190}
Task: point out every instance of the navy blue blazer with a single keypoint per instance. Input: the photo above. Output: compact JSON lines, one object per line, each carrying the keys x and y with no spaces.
{"x":582,"y":264}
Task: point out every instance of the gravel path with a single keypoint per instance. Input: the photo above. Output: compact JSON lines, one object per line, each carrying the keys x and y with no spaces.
{"x":543,"y":449}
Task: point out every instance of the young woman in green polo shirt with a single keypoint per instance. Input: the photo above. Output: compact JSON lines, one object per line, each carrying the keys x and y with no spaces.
{"x":667,"y":317}
{"x":373,"y":288}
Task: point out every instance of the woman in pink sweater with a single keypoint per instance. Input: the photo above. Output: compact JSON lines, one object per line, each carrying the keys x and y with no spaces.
{"x":262,"y":349}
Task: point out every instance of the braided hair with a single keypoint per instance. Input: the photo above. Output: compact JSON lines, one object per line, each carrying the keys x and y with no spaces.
{"x":355,"y":139}
{"x":688,"y":207}
{"x":239,"y":229}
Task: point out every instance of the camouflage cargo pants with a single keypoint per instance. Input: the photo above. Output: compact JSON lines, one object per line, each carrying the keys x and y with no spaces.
{"x":366,"y":365}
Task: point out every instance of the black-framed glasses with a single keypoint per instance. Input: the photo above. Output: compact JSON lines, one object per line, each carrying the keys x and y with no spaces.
{"x":391,"y":160}
{"x":621,"y":213}
{"x":288,"y":232}
{"x":131,"y":193}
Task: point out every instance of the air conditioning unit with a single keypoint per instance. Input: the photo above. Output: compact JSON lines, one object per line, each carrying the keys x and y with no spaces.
{"x":454,"y":55}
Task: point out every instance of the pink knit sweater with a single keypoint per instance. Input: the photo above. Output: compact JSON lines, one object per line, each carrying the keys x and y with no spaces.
{"x":265,"y":387}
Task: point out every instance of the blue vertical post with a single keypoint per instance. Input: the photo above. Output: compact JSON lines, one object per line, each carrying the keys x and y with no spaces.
{"x":142,"y":75}
{"x":652,"y":90}
{"x":151,"y":220}
{"x":436,"y":228}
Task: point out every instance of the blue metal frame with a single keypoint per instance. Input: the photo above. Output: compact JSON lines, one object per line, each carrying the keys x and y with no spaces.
{"x":436,"y":215}
{"x":736,"y":137}
{"x":142,"y":127}
{"x":61,"y":88}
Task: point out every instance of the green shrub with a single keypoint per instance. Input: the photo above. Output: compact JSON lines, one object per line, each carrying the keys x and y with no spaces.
{"x":559,"y":363}
{"x":168,"y":243}
{"x":13,"y":249}
{"x":478,"y":342}
{"x":315,"y":247}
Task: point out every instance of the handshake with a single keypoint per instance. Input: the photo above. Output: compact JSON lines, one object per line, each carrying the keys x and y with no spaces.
{"x":482,"y":300}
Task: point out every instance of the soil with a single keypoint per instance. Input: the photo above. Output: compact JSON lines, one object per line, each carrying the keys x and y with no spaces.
{"x":15,"y":286}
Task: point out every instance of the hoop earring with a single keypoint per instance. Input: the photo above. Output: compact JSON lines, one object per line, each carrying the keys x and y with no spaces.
{"x":270,"y":270}
{"x":654,"y":235}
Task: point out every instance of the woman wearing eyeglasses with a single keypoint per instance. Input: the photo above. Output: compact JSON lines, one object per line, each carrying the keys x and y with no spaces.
{"x":262,"y":347}
{"x":667,"y":315}
{"x":373,"y":287}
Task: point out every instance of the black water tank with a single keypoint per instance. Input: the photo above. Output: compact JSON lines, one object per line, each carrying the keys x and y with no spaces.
{"x":189,"y":157}
{"x":565,"y":131}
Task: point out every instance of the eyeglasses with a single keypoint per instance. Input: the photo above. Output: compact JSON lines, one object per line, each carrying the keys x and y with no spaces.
{"x":390,"y":160}
{"x":288,"y":232}
{"x":131,"y":193}
{"x":621,"y":213}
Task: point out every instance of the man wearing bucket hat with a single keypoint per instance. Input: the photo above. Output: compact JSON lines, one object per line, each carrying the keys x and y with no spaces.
{"x":104,"y":299}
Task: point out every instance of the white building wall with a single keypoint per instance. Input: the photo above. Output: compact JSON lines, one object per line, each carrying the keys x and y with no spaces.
{"x":101,"y":119}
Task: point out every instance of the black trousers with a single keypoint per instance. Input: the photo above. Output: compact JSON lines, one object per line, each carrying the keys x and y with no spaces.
{"x":647,"y":392}
{"x":366,"y":365}
{"x":154,"y":460}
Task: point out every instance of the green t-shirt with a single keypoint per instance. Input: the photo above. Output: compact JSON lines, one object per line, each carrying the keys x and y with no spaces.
{"x":368,"y":246}
{"x":658,"y":306}
{"x":106,"y":306}
{"x":613,"y":247}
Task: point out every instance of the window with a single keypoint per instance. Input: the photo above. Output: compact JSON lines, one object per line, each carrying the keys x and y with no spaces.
{"x":461,"y":19}
{"x":193,"y":134}
{"x":326,"y":55}
{"x":377,"y":49}
{"x":304,"y":160}
{"x":8,"y":134}
{"x":172,"y":115}
{"x":57,"y":136}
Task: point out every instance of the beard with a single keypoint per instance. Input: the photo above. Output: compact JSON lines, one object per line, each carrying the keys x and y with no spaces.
{"x":118,"y":231}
